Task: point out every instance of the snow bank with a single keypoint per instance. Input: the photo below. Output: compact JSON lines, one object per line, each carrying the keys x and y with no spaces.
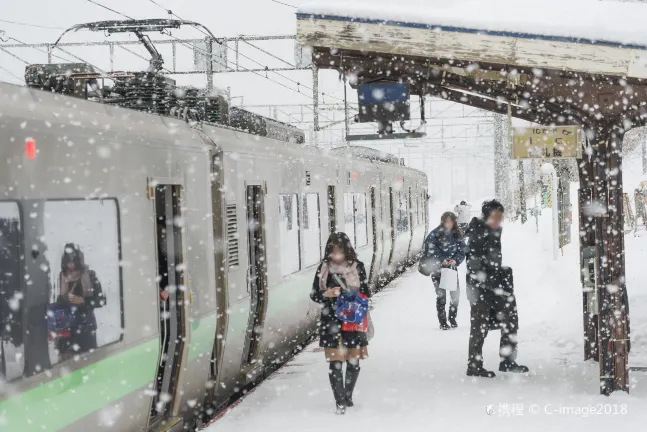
{"x":583,"y":21}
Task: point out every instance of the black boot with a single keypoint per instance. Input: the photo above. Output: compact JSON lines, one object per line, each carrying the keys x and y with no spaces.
{"x":512,"y":366}
{"x":337,"y":383}
{"x":452,"y":322}
{"x":476,"y":369}
{"x":480,"y":372}
{"x":352,"y":373}
{"x":441,"y":296}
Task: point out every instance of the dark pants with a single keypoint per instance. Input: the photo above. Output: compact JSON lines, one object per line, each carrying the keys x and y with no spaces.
{"x":441,"y":301}
{"x":489,"y":312}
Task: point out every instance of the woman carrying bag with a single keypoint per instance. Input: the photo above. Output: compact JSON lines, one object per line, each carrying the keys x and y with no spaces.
{"x":445,"y":249}
{"x":341,"y":287}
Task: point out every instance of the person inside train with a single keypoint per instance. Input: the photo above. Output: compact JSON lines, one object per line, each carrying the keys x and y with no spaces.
{"x":341,"y":274}
{"x":81,"y":290}
{"x":445,"y":245}
{"x":490,"y":293}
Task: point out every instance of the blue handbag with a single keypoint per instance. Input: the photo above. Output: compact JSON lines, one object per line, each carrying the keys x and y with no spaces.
{"x":352,"y":307}
{"x":59,"y":321}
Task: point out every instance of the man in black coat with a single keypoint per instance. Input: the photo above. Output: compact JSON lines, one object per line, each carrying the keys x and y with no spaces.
{"x":490,"y":292}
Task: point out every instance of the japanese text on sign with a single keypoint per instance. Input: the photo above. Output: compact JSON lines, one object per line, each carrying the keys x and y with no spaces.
{"x":546,"y":142}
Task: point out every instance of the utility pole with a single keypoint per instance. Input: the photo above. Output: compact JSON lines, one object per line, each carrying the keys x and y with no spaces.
{"x":500,"y":159}
{"x":644,"y":151}
{"x":522,"y":193}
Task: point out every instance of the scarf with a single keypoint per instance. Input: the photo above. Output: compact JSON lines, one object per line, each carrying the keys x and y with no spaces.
{"x":346,"y":270}
{"x":70,"y":279}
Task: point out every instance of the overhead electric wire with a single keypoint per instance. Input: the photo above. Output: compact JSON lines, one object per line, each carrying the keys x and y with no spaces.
{"x":110,"y":9}
{"x":11,"y":73}
{"x":13,"y":55}
{"x":30,"y":25}
{"x":284,"y":4}
{"x":298,"y":83}
{"x":212,"y":55}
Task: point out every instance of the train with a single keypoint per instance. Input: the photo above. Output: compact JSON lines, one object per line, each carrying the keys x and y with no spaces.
{"x":238,"y":223}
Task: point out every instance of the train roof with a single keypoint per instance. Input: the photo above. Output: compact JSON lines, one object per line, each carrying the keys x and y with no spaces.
{"x":589,"y":36}
{"x":37,"y":108}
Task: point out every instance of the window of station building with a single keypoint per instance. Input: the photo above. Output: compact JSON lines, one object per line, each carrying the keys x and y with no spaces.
{"x":402,"y":213}
{"x":311,"y":229}
{"x":361,"y":225}
{"x":72,"y":297}
{"x":289,"y":234}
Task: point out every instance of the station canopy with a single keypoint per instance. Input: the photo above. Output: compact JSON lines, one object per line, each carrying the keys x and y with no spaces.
{"x":573,"y":61}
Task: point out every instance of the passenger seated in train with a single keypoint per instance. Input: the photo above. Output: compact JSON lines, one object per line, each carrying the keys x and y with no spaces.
{"x":341,"y":287}
{"x":444,"y":245}
{"x":490,"y":291}
{"x":80,"y":290}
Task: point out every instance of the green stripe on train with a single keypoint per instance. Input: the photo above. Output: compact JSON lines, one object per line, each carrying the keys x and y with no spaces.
{"x":65,"y":400}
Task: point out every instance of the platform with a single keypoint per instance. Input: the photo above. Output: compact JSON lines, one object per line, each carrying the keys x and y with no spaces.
{"x":415,"y":377}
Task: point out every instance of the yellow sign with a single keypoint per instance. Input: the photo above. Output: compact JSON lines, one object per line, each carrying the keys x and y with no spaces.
{"x":540,"y":142}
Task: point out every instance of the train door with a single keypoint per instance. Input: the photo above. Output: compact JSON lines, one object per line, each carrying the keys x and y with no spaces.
{"x":411,"y":221}
{"x":256,"y":279}
{"x":392,"y":222}
{"x":168,"y":201}
{"x":377,"y":243}
{"x":332,"y":209}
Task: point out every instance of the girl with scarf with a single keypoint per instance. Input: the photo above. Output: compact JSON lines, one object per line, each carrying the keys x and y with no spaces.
{"x":445,"y":245}
{"x":342,"y":342}
{"x":81,"y":290}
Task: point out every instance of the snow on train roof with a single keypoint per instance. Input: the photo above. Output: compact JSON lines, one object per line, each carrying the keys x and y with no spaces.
{"x":578,"y":21}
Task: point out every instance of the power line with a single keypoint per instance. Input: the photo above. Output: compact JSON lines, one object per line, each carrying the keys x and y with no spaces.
{"x":30,"y":25}
{"x":281,"y":3}
{"x":212,"y":55}
{"x":111,"y":10}
{"x":298,"y":83}
{"x":11,"y":73}
{"x":13,"y":55}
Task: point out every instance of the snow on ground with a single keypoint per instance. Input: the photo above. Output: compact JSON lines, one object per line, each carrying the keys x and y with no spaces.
{"x":415,"y":378}
{"x":602,"y":21}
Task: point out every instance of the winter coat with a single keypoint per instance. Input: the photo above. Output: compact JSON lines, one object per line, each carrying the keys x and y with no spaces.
{"x":328,"y":324}
{"x":443,"y":245}
{"x":483,"y":256}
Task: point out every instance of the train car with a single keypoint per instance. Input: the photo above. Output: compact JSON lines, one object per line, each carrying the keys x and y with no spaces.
{"x":100,"y":204}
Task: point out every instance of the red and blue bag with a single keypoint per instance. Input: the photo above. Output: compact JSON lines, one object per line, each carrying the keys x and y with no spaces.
{"x":59,"y":321}
{"x":352,"y":307}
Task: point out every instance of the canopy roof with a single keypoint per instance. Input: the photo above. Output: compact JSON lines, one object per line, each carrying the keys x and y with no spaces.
{"x":580,"y":21}
{"x":571,"y":62}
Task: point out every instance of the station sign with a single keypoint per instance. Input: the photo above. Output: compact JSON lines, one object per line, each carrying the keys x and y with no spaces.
{"x":542,"y":142}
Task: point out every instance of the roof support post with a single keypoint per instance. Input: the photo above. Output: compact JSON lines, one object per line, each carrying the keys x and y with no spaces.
{"x":602,"y":214}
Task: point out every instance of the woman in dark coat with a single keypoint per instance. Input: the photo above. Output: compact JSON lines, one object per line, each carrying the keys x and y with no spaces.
{"x":342,"y":342}
{"x":81,"y":290}
{"x":445,"y":245}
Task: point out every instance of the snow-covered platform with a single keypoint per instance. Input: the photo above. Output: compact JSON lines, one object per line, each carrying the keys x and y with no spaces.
{"x":415,"y":377}
{"x":576,"y":35}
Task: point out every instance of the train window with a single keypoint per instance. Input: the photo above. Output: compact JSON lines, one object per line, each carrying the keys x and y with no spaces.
{"x":311,"y":229}
{"x":361,"y":224}
{"x":82,"y":249}
{"x":11,"y":295}
{"x":289,"y":234}
{"x":402,"y":216}
{"x":349,"y":217}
